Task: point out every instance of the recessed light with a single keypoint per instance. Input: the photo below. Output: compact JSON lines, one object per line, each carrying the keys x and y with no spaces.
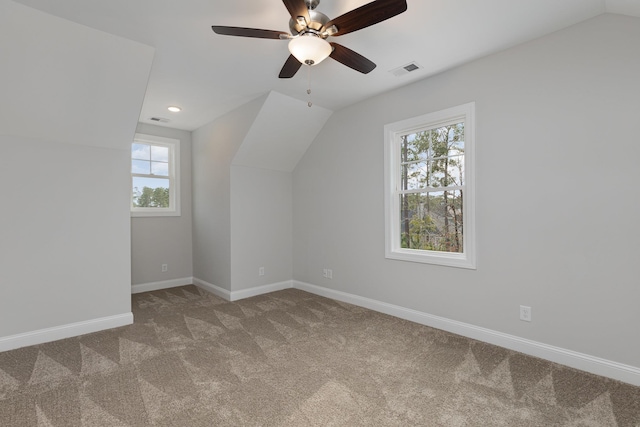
{"x":174,"y":109}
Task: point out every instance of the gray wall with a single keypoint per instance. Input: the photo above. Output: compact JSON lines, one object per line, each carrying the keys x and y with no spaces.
{"x":213,"y":148}
{"x":261,"y":226}
{"x":242,"y":167}
{"x":557,"y":152}
{"x":70,"y":100}
{"x":165,"y":240}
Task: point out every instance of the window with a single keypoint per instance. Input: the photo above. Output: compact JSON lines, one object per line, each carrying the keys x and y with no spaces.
{"x":155,"y":185}
{"x":429,"y":188}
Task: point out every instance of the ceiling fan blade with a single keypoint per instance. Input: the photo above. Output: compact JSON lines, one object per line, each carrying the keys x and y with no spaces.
{"x":290,"y":68}
{"x":297,"y":8}
{"x":247,"y":32}
{"x":351,"y":59}
{"x":364,"y":16}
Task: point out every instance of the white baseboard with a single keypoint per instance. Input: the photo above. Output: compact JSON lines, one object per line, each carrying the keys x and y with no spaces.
{"x":260,"y":290}
{"x":165,"y":284}
{"x":243,"y":293}
{"x":216,"y":290}
{"x":584,"y":362}
{"x":64,"y":331}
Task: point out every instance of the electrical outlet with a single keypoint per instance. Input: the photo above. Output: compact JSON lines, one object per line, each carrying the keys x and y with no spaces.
{"x":329,"y":273}
{"x":165,"y":267}
{"x":525,"y":313}
{"x":325,"y":273}
{"x":261,"y":271}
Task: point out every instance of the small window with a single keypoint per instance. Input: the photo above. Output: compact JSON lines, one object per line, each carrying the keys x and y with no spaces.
{"x":429,"y":188}
{"x":155,"y":185}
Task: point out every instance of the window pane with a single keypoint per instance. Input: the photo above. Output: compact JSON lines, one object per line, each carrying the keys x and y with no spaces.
{"x":150,"y":192}
{"x":159,"y":154}
{"x":159,"y":168}
{"x":456,"y":147}
{"x":415,"y":146}
{"x":414,"y":175}
{"x":432,"y":221}
{"x":140,"y":151}
{"x":140,"y":166}
{"x":456,"y":140}
{"x":447,"y":171}
{"x":455,"y":169}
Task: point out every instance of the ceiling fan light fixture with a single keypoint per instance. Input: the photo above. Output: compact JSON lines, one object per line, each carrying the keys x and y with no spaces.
{"x":310,"y":49}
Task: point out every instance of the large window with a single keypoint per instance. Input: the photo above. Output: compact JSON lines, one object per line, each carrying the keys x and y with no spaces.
{"x":429,"y":188}
{"x":155,"y":186}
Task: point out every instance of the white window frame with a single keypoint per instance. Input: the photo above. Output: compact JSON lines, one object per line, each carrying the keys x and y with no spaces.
{"x":392,"y":173}
{"x":174,"y":177}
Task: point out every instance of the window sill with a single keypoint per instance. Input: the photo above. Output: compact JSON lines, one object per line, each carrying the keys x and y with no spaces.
{"x":432,"y":257}
{"x":142,"y":214}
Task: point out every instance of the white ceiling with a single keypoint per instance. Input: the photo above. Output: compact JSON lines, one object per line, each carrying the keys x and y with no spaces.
{"x":208,"y":74}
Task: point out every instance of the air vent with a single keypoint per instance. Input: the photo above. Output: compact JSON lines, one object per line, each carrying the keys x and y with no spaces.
{"x":406,"y":69}
{"x":159,"y":119}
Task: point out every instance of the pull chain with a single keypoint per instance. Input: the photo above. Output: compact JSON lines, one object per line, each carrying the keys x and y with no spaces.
{"x":309,"y":103}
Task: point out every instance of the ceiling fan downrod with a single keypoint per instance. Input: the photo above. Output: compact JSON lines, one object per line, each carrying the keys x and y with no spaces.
{"x":312,"y":4}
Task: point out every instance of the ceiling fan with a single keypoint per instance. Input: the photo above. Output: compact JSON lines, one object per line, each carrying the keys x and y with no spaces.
{"x":310,"y":30}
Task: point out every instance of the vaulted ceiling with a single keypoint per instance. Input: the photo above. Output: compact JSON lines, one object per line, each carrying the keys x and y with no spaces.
{"x":208,"y":74}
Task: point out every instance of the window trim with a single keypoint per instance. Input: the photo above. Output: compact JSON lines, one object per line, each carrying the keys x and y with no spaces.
{"x":392,"y":133}
{"x":174,"y":177}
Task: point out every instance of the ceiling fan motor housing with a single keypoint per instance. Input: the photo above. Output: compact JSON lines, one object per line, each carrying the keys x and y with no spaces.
{"x":318,"y":20}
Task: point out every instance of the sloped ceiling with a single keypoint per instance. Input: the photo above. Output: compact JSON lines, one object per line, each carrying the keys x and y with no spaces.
{"x":281,"y":133}
{"x":209,"y":75}
{"x":53,"y":71}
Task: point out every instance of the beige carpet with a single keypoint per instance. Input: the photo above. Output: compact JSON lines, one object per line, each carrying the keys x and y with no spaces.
{"x":291,"y":358}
